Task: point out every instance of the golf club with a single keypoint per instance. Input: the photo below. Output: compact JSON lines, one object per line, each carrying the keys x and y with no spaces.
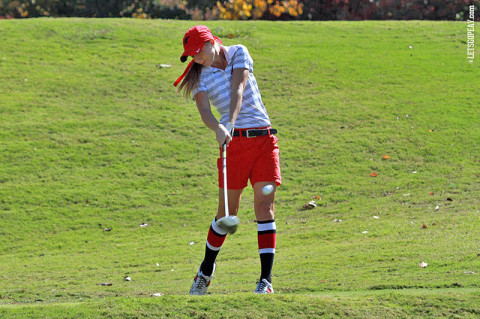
{"x":228,"y":223}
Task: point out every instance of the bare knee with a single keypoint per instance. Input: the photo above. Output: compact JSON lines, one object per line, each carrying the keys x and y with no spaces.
{"x":265,"y":210}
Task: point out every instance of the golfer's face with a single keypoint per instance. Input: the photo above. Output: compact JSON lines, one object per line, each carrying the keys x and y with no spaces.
{"x":206,"y":56}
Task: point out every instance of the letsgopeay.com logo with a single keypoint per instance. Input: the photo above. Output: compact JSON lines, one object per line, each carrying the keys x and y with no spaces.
{"x":471,"y":35}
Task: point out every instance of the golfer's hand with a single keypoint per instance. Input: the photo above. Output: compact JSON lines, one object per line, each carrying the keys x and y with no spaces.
{"x":223,"y":135}
{"x":230,"y":126}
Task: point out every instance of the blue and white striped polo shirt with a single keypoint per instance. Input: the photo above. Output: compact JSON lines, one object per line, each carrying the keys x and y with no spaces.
{"x":217,"y":84}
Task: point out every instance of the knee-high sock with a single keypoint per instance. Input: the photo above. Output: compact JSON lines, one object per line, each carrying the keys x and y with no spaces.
{"x":216,"y":237}
{"x":267,"y":239}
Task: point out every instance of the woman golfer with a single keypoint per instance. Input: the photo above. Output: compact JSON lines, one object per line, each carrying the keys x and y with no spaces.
{"x":223,"y":76}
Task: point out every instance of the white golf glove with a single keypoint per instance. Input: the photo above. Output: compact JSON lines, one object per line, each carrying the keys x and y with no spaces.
{"x":224,"y":133}
{"x":230,"y":128}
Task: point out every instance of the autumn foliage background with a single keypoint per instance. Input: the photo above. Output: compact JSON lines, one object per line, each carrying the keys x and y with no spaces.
{"x":244,"y":9}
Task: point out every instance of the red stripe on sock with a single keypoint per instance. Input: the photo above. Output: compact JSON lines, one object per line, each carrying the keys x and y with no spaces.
{"x":215,"y":240}
{"x":267,"y":241}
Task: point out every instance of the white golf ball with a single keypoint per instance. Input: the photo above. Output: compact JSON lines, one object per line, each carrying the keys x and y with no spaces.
{"x":268,"y":189}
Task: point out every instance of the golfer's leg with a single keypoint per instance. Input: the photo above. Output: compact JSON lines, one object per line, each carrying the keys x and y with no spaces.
{"x":216,"y":236}
{"x":264,"y":204}
{"x":234,"y":196}
{"x":267,"y":231}
{"x":215,"y":239}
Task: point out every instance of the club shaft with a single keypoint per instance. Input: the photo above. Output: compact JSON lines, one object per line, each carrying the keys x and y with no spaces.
{"x":225,"y":189}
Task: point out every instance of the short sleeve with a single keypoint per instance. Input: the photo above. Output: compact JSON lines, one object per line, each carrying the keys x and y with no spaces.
{"x":242,"y":59}
{"x":199,"y":87}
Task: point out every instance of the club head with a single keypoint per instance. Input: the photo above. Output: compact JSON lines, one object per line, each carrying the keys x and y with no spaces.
{"x":228,"y":223}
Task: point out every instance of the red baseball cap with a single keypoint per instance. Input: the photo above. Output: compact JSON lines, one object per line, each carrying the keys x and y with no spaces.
{"x":193,"y":42}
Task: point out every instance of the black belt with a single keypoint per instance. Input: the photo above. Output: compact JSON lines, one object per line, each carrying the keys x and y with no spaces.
{"x":254,"y":132}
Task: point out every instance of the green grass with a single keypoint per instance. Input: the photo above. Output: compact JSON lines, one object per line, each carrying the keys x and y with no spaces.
{"x":93,"y":136}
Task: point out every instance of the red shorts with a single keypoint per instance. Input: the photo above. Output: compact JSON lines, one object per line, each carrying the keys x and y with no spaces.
{"x":254,"y":158}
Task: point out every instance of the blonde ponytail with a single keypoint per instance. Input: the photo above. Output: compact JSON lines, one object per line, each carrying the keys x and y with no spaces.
{"x":190,"y":80}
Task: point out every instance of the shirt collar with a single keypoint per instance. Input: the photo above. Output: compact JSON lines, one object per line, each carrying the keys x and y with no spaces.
{"x":229,"y":52}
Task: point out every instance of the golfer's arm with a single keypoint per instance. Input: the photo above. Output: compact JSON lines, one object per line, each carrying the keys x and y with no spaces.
{"x":203,"y":105}
{"x":239,"y":80}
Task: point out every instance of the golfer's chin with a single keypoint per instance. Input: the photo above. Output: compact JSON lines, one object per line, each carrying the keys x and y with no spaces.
{"x":207,"y":63}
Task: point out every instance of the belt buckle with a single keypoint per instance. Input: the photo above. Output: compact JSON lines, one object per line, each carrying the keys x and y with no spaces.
{"x":247,"y":132}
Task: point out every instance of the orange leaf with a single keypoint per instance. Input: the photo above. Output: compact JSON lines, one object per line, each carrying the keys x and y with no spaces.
{"x":431,"y":193}
{"x":385,"y":157}
{"x":373,"y":174}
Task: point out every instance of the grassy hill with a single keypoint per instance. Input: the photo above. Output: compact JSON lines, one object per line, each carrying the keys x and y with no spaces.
{"x":93,"y":137}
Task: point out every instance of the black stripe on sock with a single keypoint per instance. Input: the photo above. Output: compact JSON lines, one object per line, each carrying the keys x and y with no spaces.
{"x":215,"y":233}
{"x":266,"y":221}
{"x":270,"y":231}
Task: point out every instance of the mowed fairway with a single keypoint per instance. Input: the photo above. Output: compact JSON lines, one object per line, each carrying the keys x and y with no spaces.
{"x":93,"y":138}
